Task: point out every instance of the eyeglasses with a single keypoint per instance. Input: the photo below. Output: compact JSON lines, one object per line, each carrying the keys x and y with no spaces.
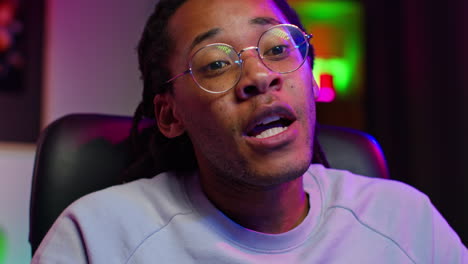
{"x":217,"y":67}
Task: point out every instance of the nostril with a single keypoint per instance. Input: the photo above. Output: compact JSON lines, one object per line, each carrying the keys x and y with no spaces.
{"x":275,"y":82}
{"x":250,"y":90}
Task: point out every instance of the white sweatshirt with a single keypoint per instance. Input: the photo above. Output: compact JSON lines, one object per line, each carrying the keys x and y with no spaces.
{"x":168,"y":219}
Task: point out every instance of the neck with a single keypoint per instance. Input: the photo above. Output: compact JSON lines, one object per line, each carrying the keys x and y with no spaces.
{"x":276,"y":209}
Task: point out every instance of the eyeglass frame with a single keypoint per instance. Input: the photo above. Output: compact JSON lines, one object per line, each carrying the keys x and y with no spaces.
{"x":307,"y":38}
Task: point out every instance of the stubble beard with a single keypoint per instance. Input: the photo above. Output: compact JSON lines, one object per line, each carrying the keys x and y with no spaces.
{"x":238,"y":171}
{"x":241,"y":173}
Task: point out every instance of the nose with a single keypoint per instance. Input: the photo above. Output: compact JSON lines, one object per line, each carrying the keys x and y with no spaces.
{"x":256,"y":78}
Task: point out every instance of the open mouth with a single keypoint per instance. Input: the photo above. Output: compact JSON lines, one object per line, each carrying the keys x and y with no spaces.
{"x":269,"y":127}
{"x":271,"y":123}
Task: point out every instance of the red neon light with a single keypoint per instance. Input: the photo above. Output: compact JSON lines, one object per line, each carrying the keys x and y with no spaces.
{"x":327,"y":90}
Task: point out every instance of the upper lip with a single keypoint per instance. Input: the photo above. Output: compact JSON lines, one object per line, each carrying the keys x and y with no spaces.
{"x":280,"y":110}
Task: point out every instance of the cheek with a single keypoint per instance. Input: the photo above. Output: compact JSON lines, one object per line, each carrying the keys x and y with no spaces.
{"x":208,"y":118}
{"x":301,"y":88}
{"x":224,"y":117}
{"x":307,"y":82}
{"x":302,"y":93}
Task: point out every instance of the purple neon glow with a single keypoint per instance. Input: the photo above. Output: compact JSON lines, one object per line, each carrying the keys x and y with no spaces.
{"x":327,"y":95}
{"x":327,"y":89}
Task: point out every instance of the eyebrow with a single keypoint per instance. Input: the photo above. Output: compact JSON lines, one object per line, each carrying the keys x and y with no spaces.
{"x":264,"y":21}
{"x":213,"y":32}
{"x":204,"y":36}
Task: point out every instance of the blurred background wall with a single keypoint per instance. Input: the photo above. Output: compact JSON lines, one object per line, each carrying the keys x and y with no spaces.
{"x":409,"y":87}
{"x":90,"y":65}
{"x":411,"y":95}
{"x":417,"y":94}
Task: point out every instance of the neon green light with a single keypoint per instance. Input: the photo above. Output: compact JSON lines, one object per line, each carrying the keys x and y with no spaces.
{"x":3,"y":247}
{"x":346,"y":17}
{"x":332,"y":10}
{"x":337,"y":67}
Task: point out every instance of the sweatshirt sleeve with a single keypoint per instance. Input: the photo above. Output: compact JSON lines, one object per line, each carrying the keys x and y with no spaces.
{"x":62,"y":244}
{"x":447,"y":246}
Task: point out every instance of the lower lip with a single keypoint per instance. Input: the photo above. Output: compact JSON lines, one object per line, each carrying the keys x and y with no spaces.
{"x":276,"y":141}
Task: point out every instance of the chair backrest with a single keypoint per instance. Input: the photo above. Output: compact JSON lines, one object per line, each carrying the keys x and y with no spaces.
{"x":81,"y":153}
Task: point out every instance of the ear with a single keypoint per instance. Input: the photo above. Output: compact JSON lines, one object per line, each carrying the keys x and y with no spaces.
{"x":316,"y":88}
{"x":169,"y":122}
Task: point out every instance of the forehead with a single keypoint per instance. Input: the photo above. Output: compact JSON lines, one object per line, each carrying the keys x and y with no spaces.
{"x":232,"y":18}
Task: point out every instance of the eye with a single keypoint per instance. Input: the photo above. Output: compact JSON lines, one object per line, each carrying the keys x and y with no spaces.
{"x":214,"y":69}
{"x":277,"y":52}
{"x":217,"y":65}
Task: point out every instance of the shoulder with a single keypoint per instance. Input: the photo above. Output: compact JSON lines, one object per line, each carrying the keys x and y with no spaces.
{"x":115,"y":221}
{"x":350,"y":190}
{"x":157,"y":199}
{"x":393,"y":210}
{"x":373,"y":200}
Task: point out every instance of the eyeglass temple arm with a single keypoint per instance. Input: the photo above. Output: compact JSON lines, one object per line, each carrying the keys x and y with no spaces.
{"x":179,"y":75}
{"x":308,"y":37}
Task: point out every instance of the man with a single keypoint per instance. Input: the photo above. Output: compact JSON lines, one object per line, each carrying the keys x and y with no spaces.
{"x":233,"y":79}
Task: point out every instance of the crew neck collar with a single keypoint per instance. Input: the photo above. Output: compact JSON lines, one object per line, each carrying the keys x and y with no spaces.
{"x":246,"y":238}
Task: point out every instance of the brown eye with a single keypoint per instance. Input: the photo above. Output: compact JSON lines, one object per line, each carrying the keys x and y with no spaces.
{"x":277,"y":52}
{"x":216,"y":65}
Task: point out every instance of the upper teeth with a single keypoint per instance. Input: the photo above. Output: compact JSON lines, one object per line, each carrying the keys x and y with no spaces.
{"x":269,"y":120}
{"x":271,"y":132}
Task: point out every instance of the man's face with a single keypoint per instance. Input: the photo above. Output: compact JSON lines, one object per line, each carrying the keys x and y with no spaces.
{"x":224,"y":128}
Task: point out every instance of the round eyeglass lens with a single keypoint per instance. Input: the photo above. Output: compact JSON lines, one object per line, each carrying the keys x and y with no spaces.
{"x":216,"y":68}
{"x":283,"y":48}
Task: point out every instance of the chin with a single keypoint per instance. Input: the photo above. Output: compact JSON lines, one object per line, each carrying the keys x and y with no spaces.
{"x":271,"y":174}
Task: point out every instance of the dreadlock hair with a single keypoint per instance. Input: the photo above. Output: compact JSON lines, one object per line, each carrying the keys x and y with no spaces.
{"x":152,"y":151}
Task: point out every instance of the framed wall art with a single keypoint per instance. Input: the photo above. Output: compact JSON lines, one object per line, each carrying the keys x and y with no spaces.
{"x":21,"y":52}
